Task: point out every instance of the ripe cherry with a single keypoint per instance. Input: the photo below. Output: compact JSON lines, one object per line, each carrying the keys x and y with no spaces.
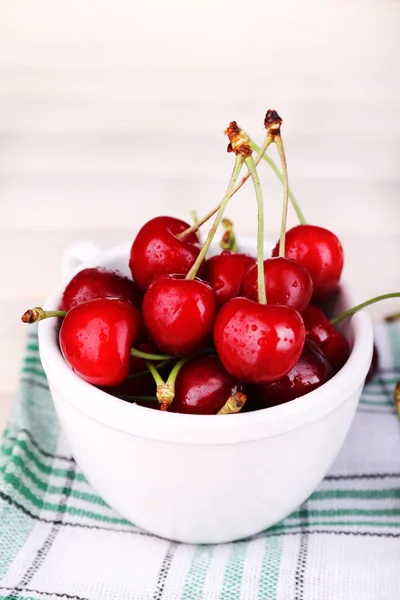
{"x":286,"y":283}
{"x":96,"y":339}
{"x":99,"y":283}
{"x":225,"y":273}
{"x":258,"y":343}
{"x":332,"y":343}
{"x":157,"y":250}
{"x":179,"y":314}
{"x":320,"y":252}
{"x":311,"y":371}
{"x":203,"y":386}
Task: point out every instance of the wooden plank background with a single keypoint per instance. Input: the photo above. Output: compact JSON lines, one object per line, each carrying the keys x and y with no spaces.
{"x":111,"y":113}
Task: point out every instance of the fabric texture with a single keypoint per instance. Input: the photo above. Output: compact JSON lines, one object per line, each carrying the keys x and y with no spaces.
{"x":58,"y":538}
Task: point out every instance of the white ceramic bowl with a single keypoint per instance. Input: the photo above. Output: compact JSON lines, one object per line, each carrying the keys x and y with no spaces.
{"x":203,"y":479}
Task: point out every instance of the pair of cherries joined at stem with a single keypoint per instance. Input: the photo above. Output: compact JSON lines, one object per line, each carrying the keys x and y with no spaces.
{"x":257,"y":313}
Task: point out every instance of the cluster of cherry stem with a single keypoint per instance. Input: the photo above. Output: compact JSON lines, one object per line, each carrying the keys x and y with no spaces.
{"x":242,"y":146}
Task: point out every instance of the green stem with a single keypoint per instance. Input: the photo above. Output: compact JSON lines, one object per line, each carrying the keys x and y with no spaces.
{"x":260,"y":154}
{"x":351,"y":311}
{"x":281,"y":151}
{"x":392,"y":318}
{"x":156,"y":375}
{"x":277,"y":172}
{"x":144,"y":373}
{"x":33,"y":315}
{"x":146,"y":356}
{"x":262,"y":297}
{"x":235,"y":174}
{"x":174,"y":373}
{"x":143,"y":398}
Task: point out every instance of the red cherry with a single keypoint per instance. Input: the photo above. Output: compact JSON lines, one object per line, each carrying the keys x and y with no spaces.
{"x":310,"y":372}
{"x":179,"y":314}
{"x":157,"y":250}
{"x":320,"y":252}
{"x":203,"y":386}
{"x":99,"y":283}
{"x":332,"y":343}
{"x":225,"y":273}
{"x":286,"y":283}
{"x":258,"y":343}
{"x":96,"y":338}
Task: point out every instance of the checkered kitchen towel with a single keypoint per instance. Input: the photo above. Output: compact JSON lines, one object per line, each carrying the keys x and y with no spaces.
{"x":58,"y":539}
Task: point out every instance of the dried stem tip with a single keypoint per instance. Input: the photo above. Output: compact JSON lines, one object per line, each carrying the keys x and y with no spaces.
{"x":396,"y":397}
{"x":238,"y":140}
{"x":272,"y":123}
{"x":234,"y":404}
{"x":33,"y":315}
{"x":165,"y":395}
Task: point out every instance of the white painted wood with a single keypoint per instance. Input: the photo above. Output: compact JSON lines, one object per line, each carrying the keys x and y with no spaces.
{"x":111,"y":113}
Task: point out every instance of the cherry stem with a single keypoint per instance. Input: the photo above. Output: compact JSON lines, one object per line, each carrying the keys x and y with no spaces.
{"x":279,"y":175}
{"x":228,"y":241}
{"x":143,"y":398}
{"x":261,"y":153}
{"x":351,"y":311}
{"x":166,"y":389}
{"x":281,"y":151}
{"x":144,"y":373}
{"x":262,"y":296}
{"x":195,"y":219}
{"x":146,"y":356}
{"x":235,"y":174}
{"x":33,"y":315}
{"x":234,"y":404}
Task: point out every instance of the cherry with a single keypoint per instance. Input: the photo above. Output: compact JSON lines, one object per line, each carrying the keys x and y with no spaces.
{"x":286,"y":283}
{"x":258,"y":343}
{"x":310,"y":372}
{"x":225,"y":273}
{"x":96,"y":339}
{"x":99,"y":283}
{"x":320,"y":252}
{"x":179,"y":314}
{"x":203,"y":386}
{"x":158,"y":250}
{"x":320,"y":330}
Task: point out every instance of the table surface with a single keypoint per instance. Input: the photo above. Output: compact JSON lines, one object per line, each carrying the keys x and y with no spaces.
{"x":109,"y":120}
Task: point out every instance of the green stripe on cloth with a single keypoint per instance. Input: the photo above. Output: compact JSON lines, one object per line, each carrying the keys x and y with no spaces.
{"x":33,"y":410}
{"x":231,"y":583}
{"x":342,"y":512}
{"x":197,"y":572}
{"x":371,"y":494}
{"x":269,"y":575}
{"x":39,"y":503}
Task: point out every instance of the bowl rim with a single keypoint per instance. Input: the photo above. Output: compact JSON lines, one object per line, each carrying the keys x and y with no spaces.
{"x":140,"y":421}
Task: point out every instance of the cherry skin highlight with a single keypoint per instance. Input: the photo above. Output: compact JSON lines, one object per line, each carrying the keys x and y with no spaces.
{"x":310,"y":372}
{"x":258,"y":343}
{"x":157,"y":250}
{"x":96,"y":338}
{"x":99,"y":283}
{"x":225,"y":273}
{"x":203,"y":386}
{"x":286,"y":283}
{"x":320,"y":252}
{"x":332,"y":343}
{"x":179,"y":314}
